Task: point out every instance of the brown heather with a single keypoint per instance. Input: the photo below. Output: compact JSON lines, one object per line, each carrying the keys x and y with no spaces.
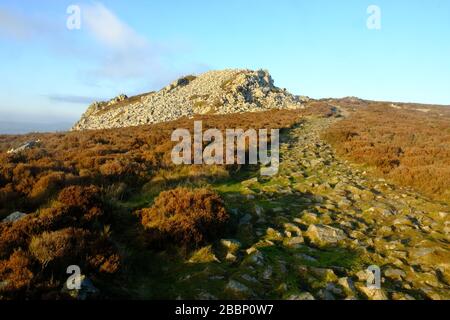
{"x":16,"y":273}
{"x":73,"y":182}
{"x":185,"y":216}
{"x":52,"y":238}
{"x":408,"y":144}
{"x":67,"y":182}
{"x":104,"y":157}
{"x":57,"y":245}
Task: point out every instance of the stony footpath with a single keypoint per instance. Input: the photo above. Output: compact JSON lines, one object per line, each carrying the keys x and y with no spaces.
{"x":218,"y":92}
{"x":311,"y":231}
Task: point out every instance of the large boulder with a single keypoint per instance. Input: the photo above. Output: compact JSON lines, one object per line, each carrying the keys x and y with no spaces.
{"x":26,"y":146}
{"x":15,"y":216}
{"x":238,"y":290}
{"x":117,"y":99}
{"x":371,"y":294}
{"x":323,"y":235}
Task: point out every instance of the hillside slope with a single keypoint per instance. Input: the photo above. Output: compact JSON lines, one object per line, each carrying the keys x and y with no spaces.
{"x":406,"y":143}
{"x":308,"y":232}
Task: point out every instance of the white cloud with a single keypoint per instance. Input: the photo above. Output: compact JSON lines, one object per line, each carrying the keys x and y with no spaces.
{"x":109,"y":30}
{"x":126,"y":54}
{"x":115,"y":56}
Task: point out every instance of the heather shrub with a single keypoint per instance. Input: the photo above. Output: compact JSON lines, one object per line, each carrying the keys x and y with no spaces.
{"x":185,"y":216}
{"x":113,"y":168}
{"x":80,"y":197}
{"x":105,"y":263}
{"x":23,"y":177}
{"x":16,"y":235}
{"x":98,"y":165}
{"x":15,"y":273}
{"x":58,"y":245}
{"x":103,"y":157}
{"x":116,"y":191}
{"x":8,"y":197}
{"x":83,"y":203}
{"x":56,"y":217}
{"x":408,"y":147}
{"x":47,"y":185}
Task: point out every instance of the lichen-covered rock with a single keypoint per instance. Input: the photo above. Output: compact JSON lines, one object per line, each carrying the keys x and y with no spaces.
{"x":203,"y":255}
{"x":293,"y":242}
{"x":323,"y":274}
{"x":274,"y":235}
{"x":238,"y":289}
{"x":231,"y":245}
{"x":396,"y":274}
{"x":371,"y":294}
{"x":324,"y":235}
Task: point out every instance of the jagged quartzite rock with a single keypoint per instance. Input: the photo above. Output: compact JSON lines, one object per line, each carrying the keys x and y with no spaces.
{"x":301,"y":296}
{"x":230,"y":257}
{"x":395,"y":274}
{"x":203,"y":255}
{"x":15,"y":216}
{"x":347,"y":284}
{"x":293,"y":242}
{"x":372,"y":294}
{"x":290,"y":227}
{"x":231,"y":245}
{"x":218,"y":92}
{"x":25,"y":146}
{"x":323,"y":274}
{"x":273,"y":235}
{"x":238,"y":289}
{"x":324,"y":235}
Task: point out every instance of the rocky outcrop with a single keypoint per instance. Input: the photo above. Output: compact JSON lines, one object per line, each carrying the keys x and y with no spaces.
{"x":25,"y":146}
{"x":15,"y":216}
{"x":324,"y":235}
{"x":218,"y":92}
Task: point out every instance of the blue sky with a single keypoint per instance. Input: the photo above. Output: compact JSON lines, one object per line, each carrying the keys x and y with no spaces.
{"x":319,"y":48}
